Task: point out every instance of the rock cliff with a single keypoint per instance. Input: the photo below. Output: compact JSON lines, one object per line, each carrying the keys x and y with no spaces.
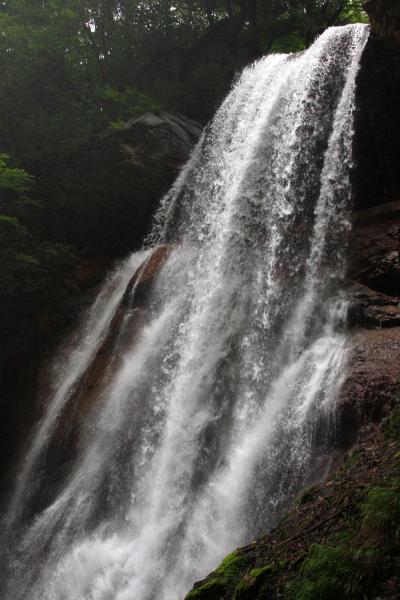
{"x":339,"y":539}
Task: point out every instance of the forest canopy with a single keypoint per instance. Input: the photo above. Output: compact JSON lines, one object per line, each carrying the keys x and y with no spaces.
{"x":71,"y":69}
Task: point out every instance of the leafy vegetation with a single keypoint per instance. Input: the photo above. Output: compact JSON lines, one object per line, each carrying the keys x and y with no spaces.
{"x":28,"y":264}
{"x":347,"y":570}
{"x":71,"y":67}
{"x":332,"y":573}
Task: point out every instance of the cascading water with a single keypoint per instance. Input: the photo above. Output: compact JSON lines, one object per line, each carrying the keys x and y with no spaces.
{"x":215,"y":403}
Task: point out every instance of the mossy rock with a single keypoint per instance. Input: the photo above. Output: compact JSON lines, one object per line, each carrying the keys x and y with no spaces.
{"x":256,"y":584}
{"x":213,"y":589}
{"x":223,"y":580}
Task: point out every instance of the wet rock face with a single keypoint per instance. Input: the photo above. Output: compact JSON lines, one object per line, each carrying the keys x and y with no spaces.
{"x":377,"y":125}
{"x":107,"y":193}
{"x":127,"y":323}
{"x":123,"y":332}
{"x":375,"y":258}
{"x":373,"y":376}
{"x":370,"y":309}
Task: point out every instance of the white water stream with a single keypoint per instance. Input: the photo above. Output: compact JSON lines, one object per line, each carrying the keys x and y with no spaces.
{"x":219,"y":406}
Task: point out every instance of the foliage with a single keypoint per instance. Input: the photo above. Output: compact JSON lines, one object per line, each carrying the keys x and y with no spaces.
{"x":329,"y":572}
{"x":345,"y":567}
{"x":28,"y":264}
{"x":353,"y":12}
{"x":121,"y":105}
{"x":71,"y":67}
{"x":16,"y":180}
{"x":255,"y":584}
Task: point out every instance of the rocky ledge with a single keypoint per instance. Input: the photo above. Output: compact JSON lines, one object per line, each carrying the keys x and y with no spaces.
{"x":374,"y":320}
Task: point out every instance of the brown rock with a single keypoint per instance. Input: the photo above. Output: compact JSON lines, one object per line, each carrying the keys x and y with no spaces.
{"x":126,"y":325}
{"x":373,"y":378}
{"x":106,"y":193}
{"x":142,"y":280}
{"x":372,"y":309}
{"x":375,"y":260}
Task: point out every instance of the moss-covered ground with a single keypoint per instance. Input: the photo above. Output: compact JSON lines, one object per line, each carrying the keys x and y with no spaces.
{"x":340,"y":542}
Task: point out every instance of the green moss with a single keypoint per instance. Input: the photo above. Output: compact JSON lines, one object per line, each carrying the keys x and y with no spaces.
{"x":256,"y":584}
{"x":381,"y":513}
{"x":328,"y":573}
{"x":222,"y":580}
{"x":211,"y":590}
{"x":231,"y":567}
{"x":354,"y":558}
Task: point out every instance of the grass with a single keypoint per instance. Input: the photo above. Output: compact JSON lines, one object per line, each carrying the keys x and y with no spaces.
{"x":349,"y":569}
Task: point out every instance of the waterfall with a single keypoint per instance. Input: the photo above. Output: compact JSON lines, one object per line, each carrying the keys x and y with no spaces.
{"x":221,"y":359}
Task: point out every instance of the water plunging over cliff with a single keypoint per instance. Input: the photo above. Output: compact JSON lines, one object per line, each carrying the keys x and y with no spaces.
{"x":202,"y":397}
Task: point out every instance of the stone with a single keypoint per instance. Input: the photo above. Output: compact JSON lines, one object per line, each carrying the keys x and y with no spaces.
{"x":371,"y":309}
{"x":372,"y":380}
{"x":375,"y":254}
{"x":106,"y":194}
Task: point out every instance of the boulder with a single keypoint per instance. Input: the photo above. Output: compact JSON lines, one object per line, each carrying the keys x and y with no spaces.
{"x":123,"y":331}
{"x":372,"y":381}
{"x":371,"y":309}
{"x":375,"y":252}
{"x":104,"y":196}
